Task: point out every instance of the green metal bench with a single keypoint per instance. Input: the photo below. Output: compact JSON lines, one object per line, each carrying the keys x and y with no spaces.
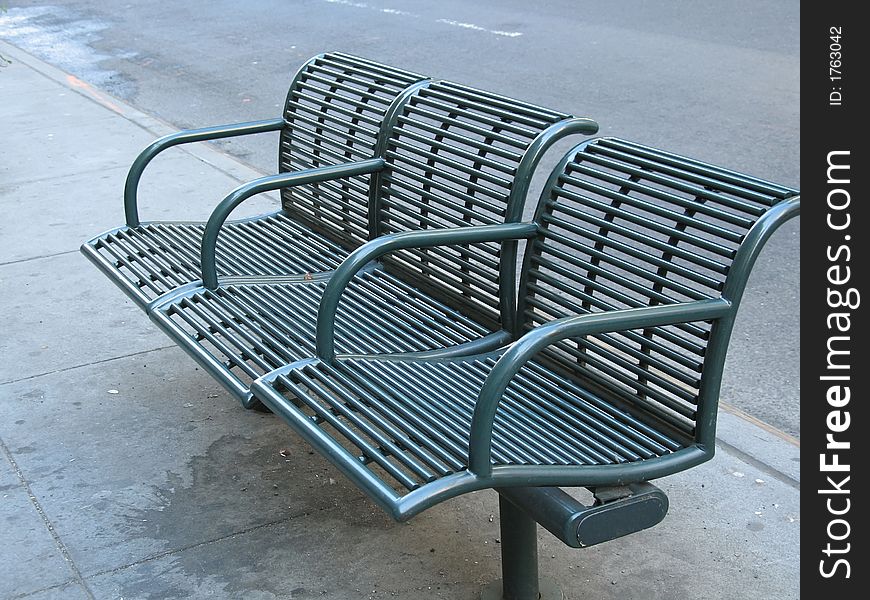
{"x":381,"y":315}
{"x":636,"y":264}
{"x":333,"y":116}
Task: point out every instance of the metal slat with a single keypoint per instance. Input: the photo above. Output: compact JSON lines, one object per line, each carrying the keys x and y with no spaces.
{"x":546,"y":439}
{"x":422,"y":187}
{"x":365,"y":97}
{"x":545,"y":114}
{"x":491,"y":133}
{"x":691,"y":169}
{"x":644,"y":239}
{"x":514,"y":113}
{"x":508,"y":431}
{"x":459,"y":110}
{"x":713,"y":196}
{"x":646,"y":207}
{"x":424,"y":156}
{"x":163,"y":271}
{"x":446,"y":418}
{"x":609,"y":258}
{"x":320,"y":143}
{"x":348,"y":433}
{"x":135,"y":268}
{"x":654,"y":409}
{"x":374,"y":298}
{"x":421,"y":426}
{"x":180,"y":311}
{"x":352,"y":410}
{"x":689,"y":204}
{"x":403,"y":165}
{"x":324,"y":122}
{"x":599,"y":410}
{"x":249,"y":348}
{"x":484,"y":147}
{"x":644,"y":224}
{"x":477,"y":161}
{"x":330,"y":108}
{"x":588,"y":349}
{"x":428,"y":204}
{"x":447,"y":317}
{"x":400,"y":77}
{"x":594,"y":272}
{"x":371,"y":84}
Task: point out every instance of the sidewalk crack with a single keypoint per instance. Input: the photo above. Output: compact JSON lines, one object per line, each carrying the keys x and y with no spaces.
{"x":90,"y":364}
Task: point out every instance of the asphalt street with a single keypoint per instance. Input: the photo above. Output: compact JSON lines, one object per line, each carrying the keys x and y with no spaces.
{"x":716,"y":81}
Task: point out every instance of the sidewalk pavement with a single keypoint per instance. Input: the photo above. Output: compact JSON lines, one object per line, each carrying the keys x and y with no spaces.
{"x":126,"y":472}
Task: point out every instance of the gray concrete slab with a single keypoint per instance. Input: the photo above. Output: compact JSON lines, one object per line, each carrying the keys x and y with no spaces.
{"x":28,"y":81}
{"x":61,"y":312}
{"x":69,"y":150}
{"x":29,"y":558}
{"x":760,"y":443}
{"x":40,"y":106}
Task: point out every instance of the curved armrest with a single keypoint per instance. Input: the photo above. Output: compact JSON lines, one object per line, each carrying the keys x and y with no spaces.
{"x":398,"y":241}
{"x":131,"y":210}
{"x":265,"y":184}
{"x":525,"y":348}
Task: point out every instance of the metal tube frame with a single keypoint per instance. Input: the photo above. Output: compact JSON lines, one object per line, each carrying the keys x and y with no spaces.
{"x":131,"y":186}
{"x":378,"y":247}
{"x":265,"y":184}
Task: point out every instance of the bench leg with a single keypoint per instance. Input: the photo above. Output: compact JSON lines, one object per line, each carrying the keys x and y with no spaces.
{"x":519,"y":559}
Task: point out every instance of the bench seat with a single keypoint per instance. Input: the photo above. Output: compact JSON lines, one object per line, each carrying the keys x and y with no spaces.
{"x":253,"y":328}
{"x":406,"y":423}
{"x":158,"y":257}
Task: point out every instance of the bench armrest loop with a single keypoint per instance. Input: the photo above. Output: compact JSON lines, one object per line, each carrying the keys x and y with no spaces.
{"x":131,"y":187}
{"x":525,"y":348}
{"x":266,"y":184}
{"x":386,"y":244}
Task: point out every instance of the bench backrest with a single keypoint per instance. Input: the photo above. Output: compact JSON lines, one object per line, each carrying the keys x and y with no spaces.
{"x":334,"y":112}
{"x":625,"y":226}
{"x":458,"y":156}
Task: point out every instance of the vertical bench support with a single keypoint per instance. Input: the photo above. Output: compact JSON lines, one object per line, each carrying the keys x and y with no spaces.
{"x":519,"y":559}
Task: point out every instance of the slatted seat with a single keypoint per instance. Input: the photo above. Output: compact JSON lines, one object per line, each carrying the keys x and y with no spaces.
{"x":333,"y":115}
{"x":157,"y":257}
{"x":418,"y":431}
{"x":249,"y":329}
{"x":452,"y":157}
{"x":636,"y":265}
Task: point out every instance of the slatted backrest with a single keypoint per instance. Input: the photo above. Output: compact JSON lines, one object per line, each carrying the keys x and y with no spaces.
{"x":624,"y":226}
{"x":334,"y":112}
{"x":454,"y":155}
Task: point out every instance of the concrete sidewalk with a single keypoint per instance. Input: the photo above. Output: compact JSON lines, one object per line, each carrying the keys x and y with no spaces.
{"x":126,"y":472}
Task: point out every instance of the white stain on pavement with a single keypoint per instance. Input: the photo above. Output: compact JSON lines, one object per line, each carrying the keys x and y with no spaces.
{"x":61,"y":37}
